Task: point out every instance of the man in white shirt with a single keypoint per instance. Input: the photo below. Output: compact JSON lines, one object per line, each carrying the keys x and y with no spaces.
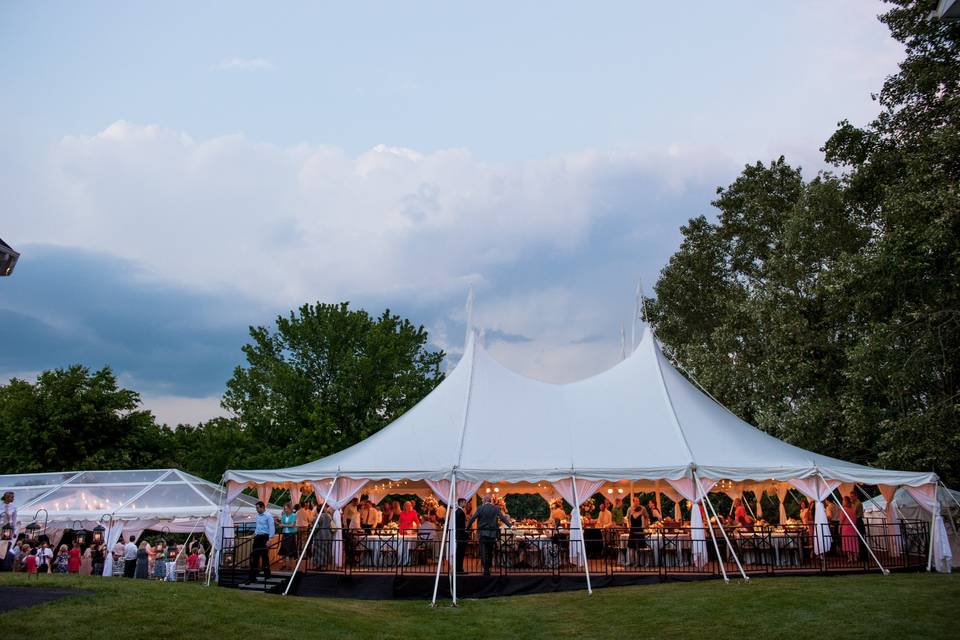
{"x":130,"y":558}
{"x":350,"y":513}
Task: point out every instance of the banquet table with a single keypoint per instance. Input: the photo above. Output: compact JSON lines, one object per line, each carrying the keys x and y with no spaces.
{"x":787,"y":550}
{"x":538,"y":546}
{"x":378,"y":544}
{"x":681,"y":542}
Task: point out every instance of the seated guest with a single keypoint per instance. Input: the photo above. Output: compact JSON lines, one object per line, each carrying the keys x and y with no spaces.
{"x":428,"y":528}
{"x":408,"y":519}
{"x":740,"y":514}
{"x":201,"y":558}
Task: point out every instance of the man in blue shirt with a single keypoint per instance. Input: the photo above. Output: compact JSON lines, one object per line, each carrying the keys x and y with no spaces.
{"x":262,"y":532}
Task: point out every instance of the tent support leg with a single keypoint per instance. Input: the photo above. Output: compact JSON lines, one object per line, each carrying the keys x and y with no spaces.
{"x":214,"y":546}
{"x":706,"y":498}
{"x":306,"y":545}
{"x":583,"y":550}
{"x":443,"y":541}
{"x":452,"y":545}
{"x":859,"y":535}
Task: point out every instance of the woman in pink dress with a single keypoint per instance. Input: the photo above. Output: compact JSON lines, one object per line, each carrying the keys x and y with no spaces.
{"x":848,"y":532}
{"x":409,"y":520}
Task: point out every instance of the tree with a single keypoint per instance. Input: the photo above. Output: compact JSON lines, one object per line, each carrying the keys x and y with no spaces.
{"x":828,"y":312}
{"x":326,"y":378}
{"x":74,"y":419}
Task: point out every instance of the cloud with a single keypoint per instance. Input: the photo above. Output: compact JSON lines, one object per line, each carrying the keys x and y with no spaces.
{"x":154,"y":250}
{"x":243,"y":64}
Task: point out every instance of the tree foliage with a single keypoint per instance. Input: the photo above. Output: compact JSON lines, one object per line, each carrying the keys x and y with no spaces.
{"x":76,"y":419}
{"x":326,"y":378}
{"x":827,"y":311}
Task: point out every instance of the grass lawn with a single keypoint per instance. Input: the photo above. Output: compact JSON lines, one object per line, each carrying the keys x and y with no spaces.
{"x":863,"y":606}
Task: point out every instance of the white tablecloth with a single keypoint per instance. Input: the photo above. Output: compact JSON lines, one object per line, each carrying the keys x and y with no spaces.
{"x":401,"y":544}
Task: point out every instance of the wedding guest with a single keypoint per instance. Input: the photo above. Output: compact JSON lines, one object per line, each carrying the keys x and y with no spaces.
{"x":193,"y":564}
{"x":604,"y":518}
{"x":61,"y":563}
{"x":142,"y":569}
{"x":30,"y":561}
{"x":460,"y":523}
{"x":488,"y":516}
{"x":350,"y":513}
{"x":130,"y":557}
{"x":152,"y":559}
{"x":324,"y":536}
{"x":44,"y":556}
{"x":848,"y":531}
{"x":386,"y":515}
{"x":834,"y":516}
{"x":655,"y":515}
{"x":97,"y":559}
{"x":160,"y":563}
{"x":557,"y":514}
{"x":260,"y":556}
{"x":428,"y":526}
{"x":637,"y":519}
{"x":172,"y":562}
{"x":288,"y":537}
{"x":303,"y":515}
{"x":202,"y":559}
{"x":408,"y":519}
{"x":618,"y":512}
{"x":74,"y":560}
{"x":368,"y":515}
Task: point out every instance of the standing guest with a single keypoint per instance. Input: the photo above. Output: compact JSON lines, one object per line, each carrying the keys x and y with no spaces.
{"x":350,"y":513}
{"x":97,"y":559}
{"x":440,"y":512}
{"x":618,"y":512}
{"x":193,"y":565}
{"x":363,"y":515}
{"x":288,"y":536}
{"x":604,"y":518}
{"x":488,"y":517}
{"x":160,"y":564}
{"x":394,"y":512}
{"x":740,"y":513}
{"x":858,"y":510}
{"x":86,"y":561}
{"x":557,"y":514}
{"x":172,"y":562}
{"x":460,"y":522}
{"x":637,"y":520}
{"x":73,"y":560}
{"x":303,"y":515}
{"x":142,"y":570}
{"x":30,"y":561}
{"x":201,"y":558}
{"x":408,"y":519}
{"x":833,"y":516}
{"x":428,"y":527}
{"x":118,"y":554}
{"x":386,"y":516}
{"x":152,"y":559}
{"x":371,"y":518}
{"x":61,"y":563}
{"x":9,"y":513}
{"x":130,"y":557}
{"x":655,"y":515}
{"x":848,"y":532}
{"x":17,"y":554}
{"x":44,"y":556}
{"x":324,"y":535}
{"x":262,"y":532}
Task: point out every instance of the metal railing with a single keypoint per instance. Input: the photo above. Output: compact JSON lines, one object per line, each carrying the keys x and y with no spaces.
{"x":611,"y":551}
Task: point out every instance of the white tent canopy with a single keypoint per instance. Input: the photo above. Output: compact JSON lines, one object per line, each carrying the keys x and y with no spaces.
{"x":496,"y":425}
{"x":908,"y":508}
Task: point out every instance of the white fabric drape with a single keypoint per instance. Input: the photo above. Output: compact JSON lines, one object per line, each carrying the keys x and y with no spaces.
{"x":698,"y":535}
{"x":263,"y":493}
{"x":818,"y":490}
{"x":926,"y":496}
{"x":344,"y":490}
{"x":465,"y":490}
{"x":782,"y":497}
{"x":893,"y":523}
{"x":114,"y":530}
{"x":585,"y":490}
{"x":295,"y":495}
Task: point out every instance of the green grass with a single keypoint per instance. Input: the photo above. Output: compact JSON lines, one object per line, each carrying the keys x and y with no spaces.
{"x":898,"y":606}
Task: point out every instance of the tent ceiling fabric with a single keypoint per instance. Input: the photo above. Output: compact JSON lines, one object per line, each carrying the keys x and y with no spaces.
{"x":148,"y":494}
{"x":639,"y":420}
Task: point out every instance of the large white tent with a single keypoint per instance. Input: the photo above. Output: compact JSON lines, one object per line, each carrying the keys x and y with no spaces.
{"x":640,"y":421}
{"x":126,"y":502}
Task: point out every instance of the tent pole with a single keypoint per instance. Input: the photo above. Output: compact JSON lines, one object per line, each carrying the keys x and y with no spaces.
{"x":452,"y":545}
{"x":443,"y":541}
{"x":316,"y":521}
{"x":214,"y":550}
{"x":713,"y":537}
{"x":706,"y":498}
{"x":846,"y":515}
{"x":583,"y":548}
{"x":933,"y":528}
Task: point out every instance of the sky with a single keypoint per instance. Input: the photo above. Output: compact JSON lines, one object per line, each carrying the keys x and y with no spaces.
{"x":173,"y":173}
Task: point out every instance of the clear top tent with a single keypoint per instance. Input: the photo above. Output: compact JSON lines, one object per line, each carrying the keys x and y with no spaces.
{"x":132,"y":501}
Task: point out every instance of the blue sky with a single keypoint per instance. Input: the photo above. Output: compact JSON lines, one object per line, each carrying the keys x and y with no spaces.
{"x":174,"y":172}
